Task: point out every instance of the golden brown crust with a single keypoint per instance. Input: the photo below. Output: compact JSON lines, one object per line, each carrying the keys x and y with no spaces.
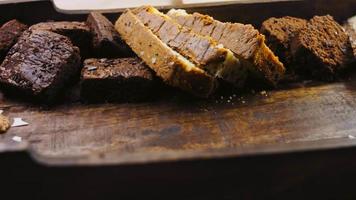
{"x":173,"y":68}
{"x":244,"y":40}
{"x":4,"y":124}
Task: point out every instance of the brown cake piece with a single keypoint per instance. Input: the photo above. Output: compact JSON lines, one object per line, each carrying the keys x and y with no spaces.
{"x":39,"y":65}
{"x":106,"y":40}
{"x":9,"y":33}
{"x":4,"y":124}
{"x":279,"y":33}
{"x":243,"y":40}
{"x":78,"y":32}
{"x":201,"y":50}
{"x":321,"y":49}
{"x":350,"y":28}
{"x":120,"y":79}
{"x":173,"y":68}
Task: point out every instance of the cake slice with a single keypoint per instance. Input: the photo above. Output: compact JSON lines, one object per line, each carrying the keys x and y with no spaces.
{"x":350,"y":28}
{"x":9,"y":33}
{"x":201,"y":50}
{"x":39,"y":65}
{"x":321,"y":49}
{"x":279,"y":33}
{"x":169,"y":65}
{"x":78,"y":32}
{"x":243,"y":40}
{"x":120,"y":79}
{"x":106,"y":41}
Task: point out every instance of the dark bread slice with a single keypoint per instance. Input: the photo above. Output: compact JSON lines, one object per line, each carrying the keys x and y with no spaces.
{"x":244,"y":41}
{"x":321,"y":49}
{"x":350,"y":28}
{"x":120,"y":79}
{"x":279,"y":33}
{"x":9,"y":33}
{"x":39,"y":65}
{"x":106,"y":40}
{"x":78,"y":32}
{"x":169,"y":65}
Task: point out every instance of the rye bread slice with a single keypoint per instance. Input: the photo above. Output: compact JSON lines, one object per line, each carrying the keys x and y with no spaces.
{"x":322,"y":49}
{"x":169,"y":65}
{"x":243,"y":40}
{"x":279,"y":33}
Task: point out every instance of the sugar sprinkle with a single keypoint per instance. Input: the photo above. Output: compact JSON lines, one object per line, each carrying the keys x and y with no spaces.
{"x":19,"y":122}
{"x":17,"y":139}
{"x":1,"y":111}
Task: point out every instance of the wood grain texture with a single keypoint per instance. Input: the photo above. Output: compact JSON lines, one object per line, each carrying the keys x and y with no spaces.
{"x":176,"y":128}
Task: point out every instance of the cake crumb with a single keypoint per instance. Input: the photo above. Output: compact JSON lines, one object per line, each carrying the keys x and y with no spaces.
{"x":264,"y":93}
{"x":17,"y":139}
{"x":4,"y":124}
{"x":19,"y":122}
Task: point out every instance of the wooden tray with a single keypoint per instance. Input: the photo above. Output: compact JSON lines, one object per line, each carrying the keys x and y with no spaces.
{"x":303,"y":117}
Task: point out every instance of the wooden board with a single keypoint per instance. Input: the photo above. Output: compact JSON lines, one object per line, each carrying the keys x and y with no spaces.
{"x":300,"y":118}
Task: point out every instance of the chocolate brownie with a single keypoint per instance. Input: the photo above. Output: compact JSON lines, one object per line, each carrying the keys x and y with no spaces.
{"x":78,"y":32}
{"x":106,"y":40}
{"x":39,"y":65}
{"x":321,"y":49}
{"x":279,"y":32}
{"x":120,"y":79}
{"x":9,"y":33}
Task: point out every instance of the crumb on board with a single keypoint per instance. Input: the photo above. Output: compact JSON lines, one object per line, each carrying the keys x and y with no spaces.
{"x":351,"y":137}
{"x":4,"y":124}
{"x":264,"y":93}
{"x":17,"y":139}
{"x":19,"y":122}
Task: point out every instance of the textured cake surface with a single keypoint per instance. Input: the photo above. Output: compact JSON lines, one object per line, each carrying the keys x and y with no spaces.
{"x":78,"y":32}
{"x":322,"y":48}
{"x":9,"y":33}
{"x":279,"y":33}
{"x":169,"y":65}
{"x":40,"y":64}
{"x":120,"y":79}
{"x":244,"y":40}
{"x":106,"y":40}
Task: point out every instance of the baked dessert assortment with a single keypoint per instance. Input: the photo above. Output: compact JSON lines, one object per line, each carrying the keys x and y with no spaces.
{"x":317,"y":48}
{"x":106,"y":40}
{"x":128,"y":60}
{"x":9,"y":33}
{"x":119,"y":79}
